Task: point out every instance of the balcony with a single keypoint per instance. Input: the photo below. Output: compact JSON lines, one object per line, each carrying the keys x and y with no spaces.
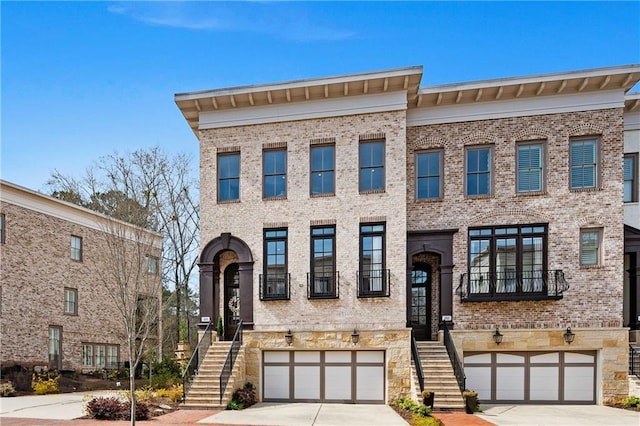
{"x":373,"y":283}
{"x":323,"y":285}
{"x":274,"y":286}
{"x":511,"y":285}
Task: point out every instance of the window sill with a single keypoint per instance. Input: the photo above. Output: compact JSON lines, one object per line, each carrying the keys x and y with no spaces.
{"x":323,"y":195}
{"x":229,"y":201}
{"x":373,"y":191}
{"x":584,"y":189}
{"x":599,"y":266}
{"x":69,"y":314}
{"x":532,"y":194}
{"x":283,"y":197}
{"x":478,"y":197}
{"x":429,"y":200}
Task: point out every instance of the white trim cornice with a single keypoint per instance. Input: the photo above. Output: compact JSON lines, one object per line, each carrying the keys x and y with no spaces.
{"x":631,"y":121}
{"x":516,"y":108}
{"x":352,"y":105}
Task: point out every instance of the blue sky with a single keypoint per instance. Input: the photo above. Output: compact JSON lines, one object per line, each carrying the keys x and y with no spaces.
{"x":84,"y":79}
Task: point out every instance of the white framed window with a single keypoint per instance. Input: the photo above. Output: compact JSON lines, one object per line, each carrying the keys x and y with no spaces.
{"x":530,"y":167}
{"x":584,"y":163}
{"x":152,"y":265}
{"x":76,"y":248}
{"x":71,"y":301}
{"x":590,"y":247}
{"x":87,"y":355}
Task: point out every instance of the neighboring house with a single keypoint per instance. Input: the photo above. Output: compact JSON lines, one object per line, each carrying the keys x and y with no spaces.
{"x":632,"y":214}
{"x":364,"y":202}
{"x":55,"y":309}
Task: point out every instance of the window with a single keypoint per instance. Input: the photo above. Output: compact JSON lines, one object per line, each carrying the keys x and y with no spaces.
{"x":229,"y":177}
{"x":428,"y":174}
{"x":322,"y":169}
{"x":590,"y":246}
{"x":322,"y":279}
{"x":529,"y":163}
{"x":373,"y":278}
{"x":584,"y":163}
{"x":71,"y":301}
{"x":76,"y":248}
{"x":2,"y":228}
{"x":630,"y":178}
{"x":152,"y":265}
{"x":275,"y":279}
{"x":274,"y":169}
{"x":99,"y":355}
{"x":478,"y":171}
{"x":371,"y":166}
{"x":507,"y":260}
{"x":55,"y":347}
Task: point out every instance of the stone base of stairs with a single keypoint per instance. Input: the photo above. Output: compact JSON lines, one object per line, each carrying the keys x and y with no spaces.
{"x":439,"y":377}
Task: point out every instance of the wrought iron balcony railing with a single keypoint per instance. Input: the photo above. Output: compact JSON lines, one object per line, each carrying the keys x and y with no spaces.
{"x":274,"y":286}
{"x":374,"y":283}
{"x":511,"y":285}
{"x":323,"y":285}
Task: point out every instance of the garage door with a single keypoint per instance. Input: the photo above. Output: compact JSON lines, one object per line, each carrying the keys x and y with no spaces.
{"x":323,"y":376}
{"x":532,"y":377}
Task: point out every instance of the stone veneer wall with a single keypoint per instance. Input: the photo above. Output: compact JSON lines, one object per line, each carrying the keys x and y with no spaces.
{"x":396,"y":343}
{"x":611,"y":345}
{"x":595,"y":296}
{"x":348,"y":208}
{"x":35,"y":268}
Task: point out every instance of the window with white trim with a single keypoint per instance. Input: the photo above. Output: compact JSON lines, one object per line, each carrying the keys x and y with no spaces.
{"x":584,"y":167}
{"x":76,"y":248}
{"x":590,"y":247}
{"x":71,"y":301}
{"x":530,"y":167}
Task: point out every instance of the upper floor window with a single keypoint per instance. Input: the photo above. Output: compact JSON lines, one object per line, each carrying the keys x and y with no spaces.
{"x":275,"y":278}
{"x":429,"y":174}
{"x":478,"y":171}
{"x":583,"y":158}
{"x":322,"y":169}
{"x":76,"y":248}
{"x":71,"y":301}
{"x":2,"y":228}
{"x":322,"y":279}
{"x":229,"y":177}
{"x":630,"y":178}
{"x":373,"y":277}
{"x":529,"y":163}
{"x":590,"y":247}
{"x":371,"y":166}
{"x":151,"y":265}
{"x":274,"y":170}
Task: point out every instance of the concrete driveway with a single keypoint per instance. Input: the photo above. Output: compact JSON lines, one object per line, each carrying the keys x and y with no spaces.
{"x":63,"y":406}
{"x":283,"y":414}
{"x":561,"y":415}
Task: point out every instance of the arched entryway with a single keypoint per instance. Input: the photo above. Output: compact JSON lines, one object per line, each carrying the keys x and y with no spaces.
{"x":226,"y":283}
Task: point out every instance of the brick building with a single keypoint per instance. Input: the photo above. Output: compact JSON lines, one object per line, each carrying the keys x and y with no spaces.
{"x":55,"y":309}
{"x":364,"y":205}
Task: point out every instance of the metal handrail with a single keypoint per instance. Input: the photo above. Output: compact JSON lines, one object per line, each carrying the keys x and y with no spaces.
{"x":416,"y":360}
{"x":227,"y":367}
{"x":453,"y":356}
{"x":634,"y":362}
{"x":513,"y":285}
{"x":189,"y":369}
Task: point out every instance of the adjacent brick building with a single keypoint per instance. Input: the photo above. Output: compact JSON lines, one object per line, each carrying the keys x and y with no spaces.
{"x":366,"y":205}
{"x":55,"y":310}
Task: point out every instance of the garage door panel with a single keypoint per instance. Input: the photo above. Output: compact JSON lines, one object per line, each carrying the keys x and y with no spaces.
{"x":573,"y":357}
{"x":510,"y":383}
{"x":276,"y":382}
{"x":479,"y":379}
{"x":337,"y":383}
{"x":369,"y":383}
{"x":578,"y":383}
{"x":544,"y":383}
{"x":306,"y":382}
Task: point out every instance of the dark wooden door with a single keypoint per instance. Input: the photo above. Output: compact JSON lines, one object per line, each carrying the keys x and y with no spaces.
{"x":231,"y":300}
{"x":421,"y":301}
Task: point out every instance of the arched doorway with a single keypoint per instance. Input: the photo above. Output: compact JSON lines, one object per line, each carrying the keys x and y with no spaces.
{"x":231,"y":299}
{"x":421,"y":277}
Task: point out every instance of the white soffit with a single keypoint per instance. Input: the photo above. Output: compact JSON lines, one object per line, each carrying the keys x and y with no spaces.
{"x":394,"y":101}
{"x":516,"y":107}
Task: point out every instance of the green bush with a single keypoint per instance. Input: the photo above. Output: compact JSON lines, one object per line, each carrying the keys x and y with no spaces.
{"x":165,"y":373}
{"x":631,"y":401}
{"x":245,"y":396}
{"x":409,"y":405}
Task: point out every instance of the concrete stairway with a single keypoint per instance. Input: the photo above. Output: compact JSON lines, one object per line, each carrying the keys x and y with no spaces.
{"x":204,"y":392}
{"x":439,"y":377}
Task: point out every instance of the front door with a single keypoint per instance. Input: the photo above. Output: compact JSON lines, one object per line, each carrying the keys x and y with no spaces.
{"x":231,"y":300}
{"x":421,"y":301}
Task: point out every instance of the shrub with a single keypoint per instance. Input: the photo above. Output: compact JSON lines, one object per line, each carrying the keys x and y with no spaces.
{"x":19,"y":377}
{"x":142,"y":410}
{"x":631,"y":401}
{"x":6,"y":389}
{"x":165,"y":373}
{"x":174,"y":393}
{"x":105,"y":408}
{"x":45,"y":383}
{"x":144,"y":394}
{"x":233,"y":405}
{"x":245,"y":396}
{"x":409,"y":405}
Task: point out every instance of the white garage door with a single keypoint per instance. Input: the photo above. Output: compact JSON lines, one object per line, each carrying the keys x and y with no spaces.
{"x":324,"y":376}
{"x":532,"y":377}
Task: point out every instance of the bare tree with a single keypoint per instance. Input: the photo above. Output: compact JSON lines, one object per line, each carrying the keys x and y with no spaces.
{"x":133,"y":284}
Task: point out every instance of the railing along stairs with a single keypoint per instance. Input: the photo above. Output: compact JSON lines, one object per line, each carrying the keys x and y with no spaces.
{"x":416,"y":359}
{"x":191,"y":369}
{"x":458,"y":371}
{"x":227,"y":368}
{"x":634,"y":362}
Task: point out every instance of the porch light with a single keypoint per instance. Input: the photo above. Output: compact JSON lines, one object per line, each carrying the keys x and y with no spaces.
{"x":569,"y":335}
{"x":288,"y":337}
{"x":355,"y":337}
{"x":497,"y":336}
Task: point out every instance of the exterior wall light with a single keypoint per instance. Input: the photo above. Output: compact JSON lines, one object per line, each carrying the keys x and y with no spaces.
{"x":288,"y":337}
{"x":569,"y":335}
{"x":497,"y":336}
{"x":355,"y":337}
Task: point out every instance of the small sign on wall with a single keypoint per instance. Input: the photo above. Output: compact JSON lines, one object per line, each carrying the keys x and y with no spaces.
{"x":446,"y":318}
{"x":205,"y":319}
